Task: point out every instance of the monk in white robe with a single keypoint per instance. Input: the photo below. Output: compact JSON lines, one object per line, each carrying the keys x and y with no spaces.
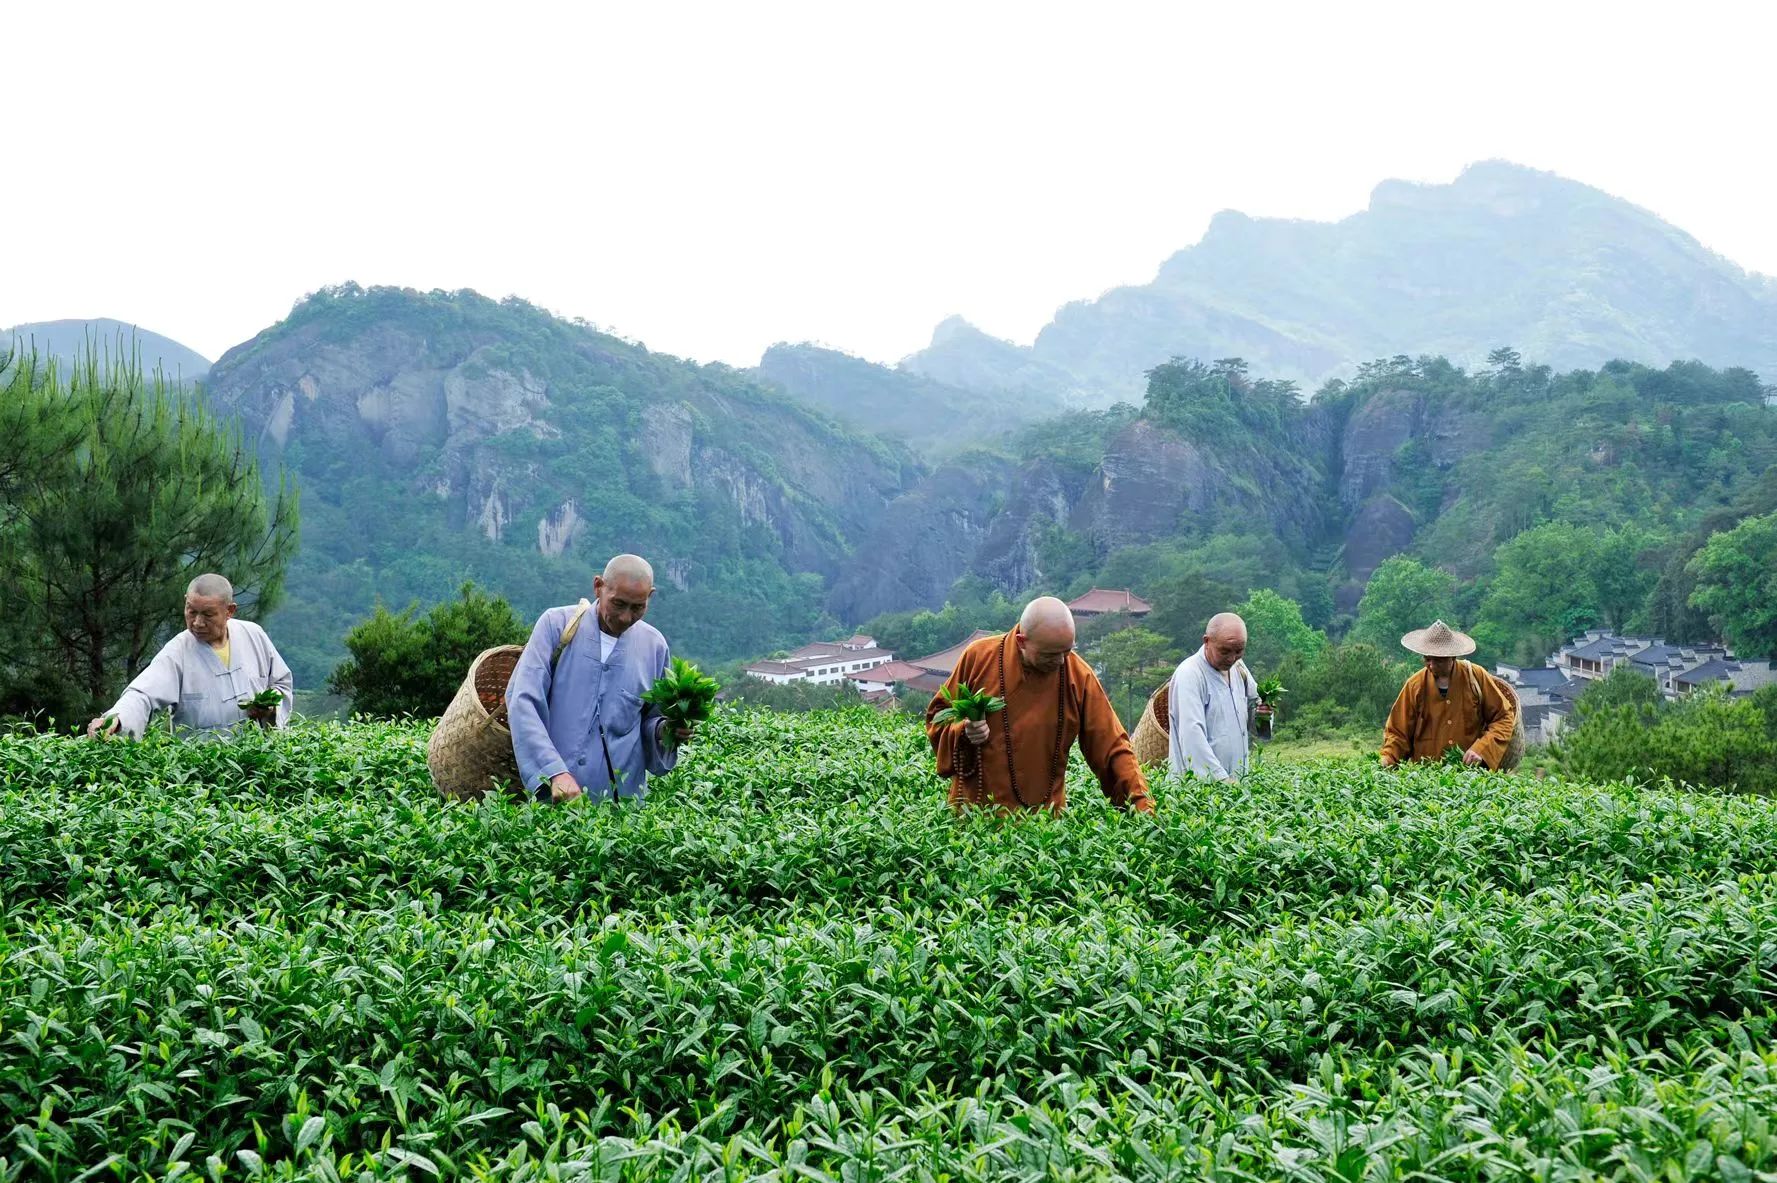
{"x":1213,"y":706}
{"x":204,"y":673}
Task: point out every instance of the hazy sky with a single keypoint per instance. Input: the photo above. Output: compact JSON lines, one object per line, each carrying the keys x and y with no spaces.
{"x":709,"y":179}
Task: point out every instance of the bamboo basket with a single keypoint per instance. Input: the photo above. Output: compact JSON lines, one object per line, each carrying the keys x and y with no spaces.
{"x":470,"y":750}
{"x":1151,"y":737}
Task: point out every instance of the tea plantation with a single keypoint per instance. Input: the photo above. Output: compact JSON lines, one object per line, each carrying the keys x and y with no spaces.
{"x":285,"y":958}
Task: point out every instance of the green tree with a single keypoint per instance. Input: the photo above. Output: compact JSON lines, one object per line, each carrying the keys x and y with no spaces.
{"x":100,"y":541}
{"x":1275,"y":630}
{"x":1543,"y":591}
{"x":1184,"y":604}
{"x":1403,"y":594}
{"x":1623,"y":687}
{"x":1706,"y":738}
{"x":400,"y":665}
{"x":1131,"y":659}
{"x":1736,"y":574}
{"x":1342,"y":687}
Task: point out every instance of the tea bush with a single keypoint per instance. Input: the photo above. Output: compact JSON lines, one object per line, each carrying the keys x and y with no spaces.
{"x":285,"y":957}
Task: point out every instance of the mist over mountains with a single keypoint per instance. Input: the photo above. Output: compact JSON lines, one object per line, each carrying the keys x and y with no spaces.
{"x":1504,"y":255}
{"x":64,"y":340}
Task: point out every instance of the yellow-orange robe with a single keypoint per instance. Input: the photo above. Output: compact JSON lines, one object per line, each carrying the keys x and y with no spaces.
{"x":1031,"y":711}
{"x":1423,"y":726}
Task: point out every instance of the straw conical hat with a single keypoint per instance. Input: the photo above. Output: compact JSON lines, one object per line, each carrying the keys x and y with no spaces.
{"x":1440,"y":640}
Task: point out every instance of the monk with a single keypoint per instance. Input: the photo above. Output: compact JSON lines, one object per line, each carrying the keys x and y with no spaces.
{"x":1450,"y":703}
{"x":203,"y":674}
{"x":1017,"y":757}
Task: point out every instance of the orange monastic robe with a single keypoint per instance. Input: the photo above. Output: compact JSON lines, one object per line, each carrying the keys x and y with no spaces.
{"x":1423,"y":726}
{"x":1033,"y":701}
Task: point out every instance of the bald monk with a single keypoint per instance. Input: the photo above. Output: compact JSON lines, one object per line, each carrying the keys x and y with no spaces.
{"x":1213,"y":705}
{"x":579,"y":726}
{"x":1017,"y":757}
{"x":1450,"y":703}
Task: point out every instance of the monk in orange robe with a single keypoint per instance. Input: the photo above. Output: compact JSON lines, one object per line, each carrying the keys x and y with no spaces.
{"x":1449,"y":703}
{"x":1017,"y":757}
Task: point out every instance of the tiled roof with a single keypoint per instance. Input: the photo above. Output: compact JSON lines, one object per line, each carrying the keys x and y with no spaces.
{"x":775,"y":667}
{"x":1710,"y":671}
{"x":1597,"y":650}
{"x":945,"y":660}
{"x":1098,"y":600}
{"x":892,"y":671}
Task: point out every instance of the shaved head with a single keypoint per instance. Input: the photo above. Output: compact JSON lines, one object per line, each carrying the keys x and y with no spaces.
{"x":1225,"y":624}
{"x":629,"y":568}
{"x":209,"y":606}
{"x":1224,"y":641}
{"x":623,"y":592}
{"x":1045,"y":634}
{"x":211,"y":587}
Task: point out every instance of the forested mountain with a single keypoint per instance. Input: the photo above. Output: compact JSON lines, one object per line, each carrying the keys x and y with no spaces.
{"x":929,"y":415}
{"x":66,"y":339}
{"x":1570,"y":275}
{"x":1225,"y":477}
{"x":440,"y":437}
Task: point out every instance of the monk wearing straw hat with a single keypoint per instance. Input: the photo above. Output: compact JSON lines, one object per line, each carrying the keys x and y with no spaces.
{"x":1450,"y":703}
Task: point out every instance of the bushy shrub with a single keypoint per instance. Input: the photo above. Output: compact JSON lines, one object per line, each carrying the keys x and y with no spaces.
{"x":406,"y":666}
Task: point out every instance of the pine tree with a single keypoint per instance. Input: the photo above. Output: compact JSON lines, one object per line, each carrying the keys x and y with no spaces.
{"x":98,"y":540}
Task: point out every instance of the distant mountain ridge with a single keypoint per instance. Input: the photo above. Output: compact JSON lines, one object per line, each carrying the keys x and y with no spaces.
{"x":65,"y":339}
{"x":1504,"y":255}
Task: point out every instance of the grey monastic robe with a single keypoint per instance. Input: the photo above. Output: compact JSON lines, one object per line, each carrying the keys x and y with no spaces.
{"x":187,"y":677}
{"x":1210,"y":717}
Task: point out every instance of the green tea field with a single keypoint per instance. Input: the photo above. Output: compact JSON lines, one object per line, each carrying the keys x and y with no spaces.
{"x":285,"y":958}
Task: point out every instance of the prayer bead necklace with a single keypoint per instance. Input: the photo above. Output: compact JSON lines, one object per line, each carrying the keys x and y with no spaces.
{"x":1006,"y":731}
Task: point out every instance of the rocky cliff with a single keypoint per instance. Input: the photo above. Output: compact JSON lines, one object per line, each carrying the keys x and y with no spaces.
{"x":450,"y":431}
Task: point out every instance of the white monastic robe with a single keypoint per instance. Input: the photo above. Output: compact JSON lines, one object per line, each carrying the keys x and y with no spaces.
{"x":187,"y":676}
{"x":1209,"y":719}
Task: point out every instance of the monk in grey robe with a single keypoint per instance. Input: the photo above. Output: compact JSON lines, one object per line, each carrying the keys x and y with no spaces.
{"x":579,"y":726}
{"x":1214,"y":706}
{"x":204,"y":673}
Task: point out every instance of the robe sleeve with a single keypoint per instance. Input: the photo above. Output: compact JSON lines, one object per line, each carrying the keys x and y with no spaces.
{"x":280,"y":680}
{"x":151,"y":690}
{"x":1499,"y":716}
{"x":527,"y":704}
{"x":1397,"y":736}
{"x":946,"y":738}
{"x":1105,"y":744}
{"x":1190,"y":748}
{"x":659,"y":756}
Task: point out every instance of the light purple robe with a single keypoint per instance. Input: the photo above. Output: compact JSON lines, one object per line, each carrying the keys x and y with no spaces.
{"x":567,"y":720}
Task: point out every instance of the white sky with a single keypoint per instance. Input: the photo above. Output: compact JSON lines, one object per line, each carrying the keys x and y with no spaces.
{"x":709,"y":179}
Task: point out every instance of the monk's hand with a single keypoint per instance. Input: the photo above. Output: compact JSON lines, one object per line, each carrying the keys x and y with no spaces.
{"x":563,"y":787}
{"x":264,"y":716}
{"x":1385,"y":761}
{"x":683,"y":732}
{"x":1472,"y":757}
{"x":975,"y":731}
{"x":107,"y":726}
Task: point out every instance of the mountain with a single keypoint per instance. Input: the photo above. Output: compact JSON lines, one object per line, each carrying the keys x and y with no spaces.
{"x":444,"y":436}
{"x":1504,"y":255}
{"x":929,"y":415}
{"x":65,"y":339}
{"x":1219,"y":474}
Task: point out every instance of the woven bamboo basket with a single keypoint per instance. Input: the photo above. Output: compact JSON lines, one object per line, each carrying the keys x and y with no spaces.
{"x":1514,"y":752}
{"x":1151,"y":733}
{"x":470,"y":750}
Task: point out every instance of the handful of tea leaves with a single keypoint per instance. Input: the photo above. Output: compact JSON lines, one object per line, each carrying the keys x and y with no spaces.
{"x":266,"y":699}
{"x":1270,"y":689}
{"x":1453,"y":756}
{"x":966,"y":706}
{"x":684,"y":695}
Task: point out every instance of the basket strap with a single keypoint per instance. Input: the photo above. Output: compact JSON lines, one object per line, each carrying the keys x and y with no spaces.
{"x":567,"y":634}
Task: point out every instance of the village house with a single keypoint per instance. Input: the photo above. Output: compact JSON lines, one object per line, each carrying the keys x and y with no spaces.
{"x":822,"y":663}
{"x":1547,"y":693}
